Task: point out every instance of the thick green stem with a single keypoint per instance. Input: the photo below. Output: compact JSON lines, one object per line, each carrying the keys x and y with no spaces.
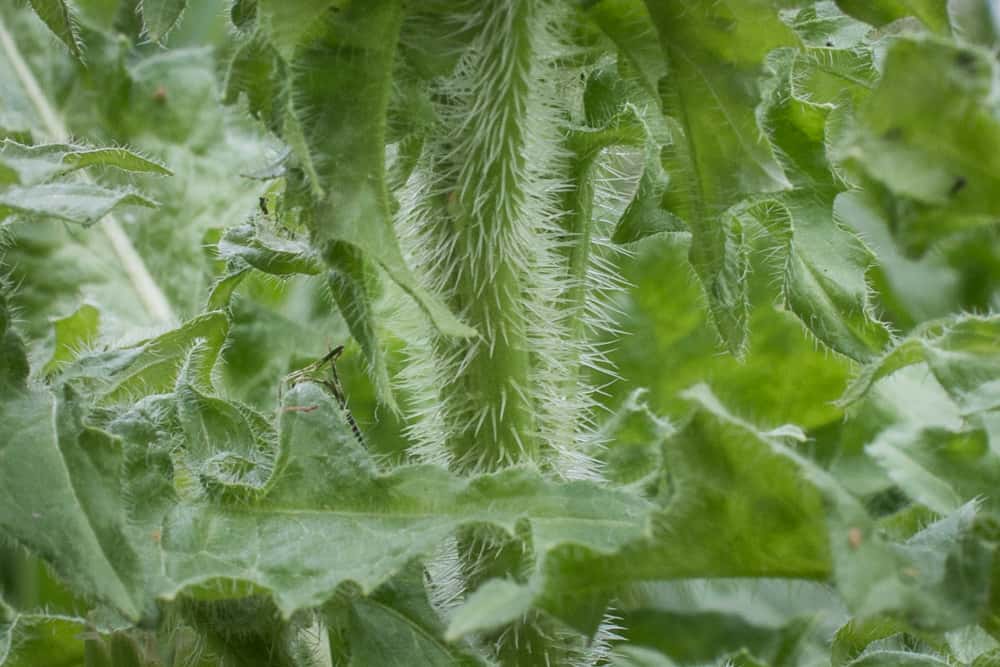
{"x":490,"y":220}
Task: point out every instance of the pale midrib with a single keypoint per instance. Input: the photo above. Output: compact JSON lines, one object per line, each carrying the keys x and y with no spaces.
{"x":145,"y":286}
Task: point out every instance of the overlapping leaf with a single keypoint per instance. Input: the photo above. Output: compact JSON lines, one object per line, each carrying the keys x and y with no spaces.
{"x":940,"y":160}
{"x":960,"y":351}
{"x":340,"y":146}
{"x":28,"y":173}
{"x":325,"y":489}
{"x":716,"y":155}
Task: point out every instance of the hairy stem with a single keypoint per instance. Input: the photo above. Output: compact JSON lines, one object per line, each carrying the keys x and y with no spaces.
{"x":145,"y":286}
{"x":489,"y":227}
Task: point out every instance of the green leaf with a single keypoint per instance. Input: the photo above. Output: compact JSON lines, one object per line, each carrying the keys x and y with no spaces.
{"x":151,"y":365}
{"x":396,"y":625}
{"x":252,"y":72}
{"x":290,"y":24}
{"x":221,"y":293}
{"x":940,"y":160}
{"x":73,"y":333}
{"x":696,"y":622}
{"x":352,"y":284}
{"x":628,"y":24}
{"x":705,"y":529}
{"x":938,"y":467}
{"x":229,"y":447}
{"x":822,"y":267}
{"x":159,"y":17}
{"x":716,"y":154}
{"x":39,"y":638}
{"x":898,"y":658}
{"x":335,"y":125}
{"x":854,"y":636}
{"x":35,"y":164}
{"x":82,"y":203}
{"x":59,"y":16}
{"x":789,"y":379}
{"x":612,"y":108}
{"x":495,"y":603}
{"x":269,"y":253}
{"x":819,"y":263}
{"x":932,"y":13}
{"x":823,"y":24}
{"x":909,"y":290}
{"x":326,"y":488}
{"x":60,"y":496}
{"x":961,"y":353}
{"x":13,"y":356}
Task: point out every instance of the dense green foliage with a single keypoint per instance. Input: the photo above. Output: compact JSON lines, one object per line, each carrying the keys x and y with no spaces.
{"x":670,"y":327}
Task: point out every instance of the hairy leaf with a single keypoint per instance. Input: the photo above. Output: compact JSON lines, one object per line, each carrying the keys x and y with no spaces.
{"x":82,"y":203}
{"x":73,"y":334}
{"x":822,"y":269}
{"x":270,"y":254}
{"x":341,"y":145}
{"x":151,"y":365}
{"x":35,"y":164}
{"x":326,"y":488}
{"x":716,"y":154}
{"x":59,"y":16}
{"x":160,"y":16}
{"x":397,"y":624}
{"x":13,"y":356}
{"x":961,"y":353}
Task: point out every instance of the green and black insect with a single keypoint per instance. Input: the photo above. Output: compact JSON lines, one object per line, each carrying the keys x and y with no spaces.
{"x":331,"y":384}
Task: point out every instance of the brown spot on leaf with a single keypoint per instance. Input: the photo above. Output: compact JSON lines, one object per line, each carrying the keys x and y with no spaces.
{"x":854,"y":538}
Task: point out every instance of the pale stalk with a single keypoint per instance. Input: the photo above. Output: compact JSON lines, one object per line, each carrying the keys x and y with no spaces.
{"x":145,"y":286}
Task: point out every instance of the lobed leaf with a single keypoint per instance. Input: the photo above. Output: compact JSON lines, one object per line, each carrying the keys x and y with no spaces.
{"x":629,"y":25}
{"x":335,"y":126}
{"x":325,"y":490}
{"x":821,"y":267}
{"x":270,"y":254}
{"x":716,"y":155}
